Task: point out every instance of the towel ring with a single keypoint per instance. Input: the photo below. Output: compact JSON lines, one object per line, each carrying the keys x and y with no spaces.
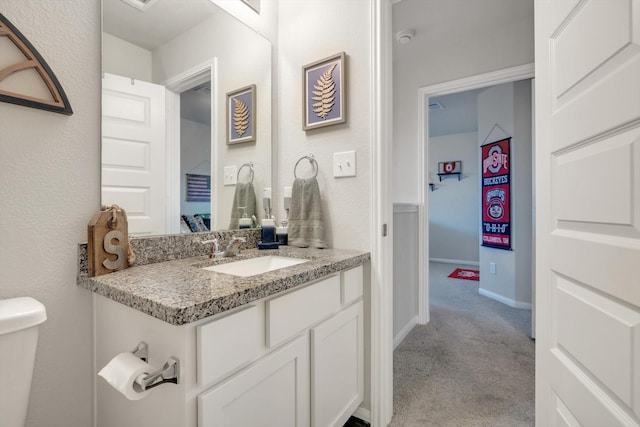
{"x":313,"y":162}
{"x":250,"y":165}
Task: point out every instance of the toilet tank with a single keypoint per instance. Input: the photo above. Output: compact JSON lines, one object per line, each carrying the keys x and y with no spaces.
{"x":19,"y":320}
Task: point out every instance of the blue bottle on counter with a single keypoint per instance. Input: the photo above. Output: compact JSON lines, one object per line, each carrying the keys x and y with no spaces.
{"x":268,"y":235}
{"x":268,"y":231}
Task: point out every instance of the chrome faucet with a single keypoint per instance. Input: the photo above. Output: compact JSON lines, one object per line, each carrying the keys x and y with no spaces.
{"x":231,"y":249}
{"x":214,"y":249}
{"x":233,"y":246}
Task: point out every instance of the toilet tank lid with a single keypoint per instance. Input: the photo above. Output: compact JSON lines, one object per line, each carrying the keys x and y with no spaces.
{"x":20,"y":313}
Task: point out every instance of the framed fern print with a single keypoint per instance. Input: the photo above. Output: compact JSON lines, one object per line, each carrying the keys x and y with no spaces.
{"x":324,"y":102}
{"x":241,"y":115}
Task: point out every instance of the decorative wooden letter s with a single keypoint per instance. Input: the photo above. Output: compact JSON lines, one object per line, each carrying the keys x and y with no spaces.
{"x":108,"y":241}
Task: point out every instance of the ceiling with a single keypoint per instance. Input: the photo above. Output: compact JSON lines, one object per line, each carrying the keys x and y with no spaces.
{"x":460,"y":113}
{"x":433,"y":20}
{"x":162,"y":21}
{"x":195,"y":104}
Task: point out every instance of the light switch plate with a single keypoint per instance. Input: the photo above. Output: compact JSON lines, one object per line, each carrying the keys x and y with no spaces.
{"x":230,"y":175}
{"x":344,"y":164}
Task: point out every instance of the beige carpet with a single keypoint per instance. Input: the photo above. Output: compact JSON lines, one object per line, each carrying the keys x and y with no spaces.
{"x":472,"y":365}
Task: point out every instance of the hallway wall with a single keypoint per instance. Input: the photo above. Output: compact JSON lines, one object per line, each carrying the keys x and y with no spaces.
{"x":509,"y":106}
{"x":453,"y":205}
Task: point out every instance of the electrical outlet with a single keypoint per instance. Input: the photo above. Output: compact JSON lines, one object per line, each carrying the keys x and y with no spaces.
{"x":230,"y":175}
{"x":492,"y":267}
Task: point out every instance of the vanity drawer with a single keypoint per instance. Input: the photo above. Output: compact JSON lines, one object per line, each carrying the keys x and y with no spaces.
{"x":298,"y":310}
{"x":228,"y":343}
{"x":352,"y":284}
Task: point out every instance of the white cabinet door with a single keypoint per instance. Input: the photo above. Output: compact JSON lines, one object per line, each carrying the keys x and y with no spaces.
{"x":272,"y":392}
{"x":337,"y":367}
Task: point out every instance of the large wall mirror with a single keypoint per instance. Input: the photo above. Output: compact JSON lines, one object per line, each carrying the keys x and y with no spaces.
{"x":167,"y":69}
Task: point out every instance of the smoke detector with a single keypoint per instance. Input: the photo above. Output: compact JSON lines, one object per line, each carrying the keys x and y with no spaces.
{"x":405,"y":36}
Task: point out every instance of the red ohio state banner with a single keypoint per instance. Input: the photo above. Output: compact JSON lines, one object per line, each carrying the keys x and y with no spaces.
{"x":496,"y":184}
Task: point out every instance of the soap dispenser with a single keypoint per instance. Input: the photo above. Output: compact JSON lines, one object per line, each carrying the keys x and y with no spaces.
{"x":282,"y":233}
{"x":244,"y":222}
{"x":268,"y":235}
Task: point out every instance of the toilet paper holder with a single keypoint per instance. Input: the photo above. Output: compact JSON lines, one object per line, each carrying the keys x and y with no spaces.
{"x":169,"y":373}
{"x":141,"y":351}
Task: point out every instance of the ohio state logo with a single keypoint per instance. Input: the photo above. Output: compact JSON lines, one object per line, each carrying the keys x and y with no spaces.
{"x":495,"y":160}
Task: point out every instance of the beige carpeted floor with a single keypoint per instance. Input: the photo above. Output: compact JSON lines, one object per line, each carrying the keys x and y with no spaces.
{"x":472,"y":365}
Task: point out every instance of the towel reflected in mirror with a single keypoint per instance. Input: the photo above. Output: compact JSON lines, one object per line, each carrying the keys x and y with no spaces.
{"x":244,"y":203}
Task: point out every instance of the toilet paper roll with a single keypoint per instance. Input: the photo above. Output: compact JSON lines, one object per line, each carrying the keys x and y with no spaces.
{"x":122,"y":372}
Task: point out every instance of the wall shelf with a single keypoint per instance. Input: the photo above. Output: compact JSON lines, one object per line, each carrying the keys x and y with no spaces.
{"x":440,"y":175}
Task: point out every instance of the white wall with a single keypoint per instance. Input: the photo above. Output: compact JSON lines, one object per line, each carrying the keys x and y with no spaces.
{"x":405,"y":270}
{"x":302,"y":41}
{"x":450,"y":53}
{"x":523,"y":197}
{"x":125,"y":59}
{"x":453,"y":205}
{"x":195,"y":157}
{"x":509,"y":106}
{"x":49,"y":190}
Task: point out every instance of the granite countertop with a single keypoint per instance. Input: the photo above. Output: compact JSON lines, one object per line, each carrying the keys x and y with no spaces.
{"x":180,"y":291}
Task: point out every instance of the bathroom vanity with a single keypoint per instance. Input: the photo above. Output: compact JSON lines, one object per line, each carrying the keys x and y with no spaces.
{"x":278,"y":348}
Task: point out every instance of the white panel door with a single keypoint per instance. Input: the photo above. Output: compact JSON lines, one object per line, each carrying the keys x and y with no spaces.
{"x":588,"y":212}
{"x":134,"y":152}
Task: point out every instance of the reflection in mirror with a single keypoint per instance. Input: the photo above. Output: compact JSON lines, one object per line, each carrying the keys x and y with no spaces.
{"x":166,"y":72}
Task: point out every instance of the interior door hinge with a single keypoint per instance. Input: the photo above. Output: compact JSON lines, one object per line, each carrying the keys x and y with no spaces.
{"x":384,"y":230}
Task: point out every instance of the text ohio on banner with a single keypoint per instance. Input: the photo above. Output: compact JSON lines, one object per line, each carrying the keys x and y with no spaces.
{"x":496,"y":183}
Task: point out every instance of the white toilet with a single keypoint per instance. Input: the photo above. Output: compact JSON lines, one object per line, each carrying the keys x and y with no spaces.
{"x":19,"y":320}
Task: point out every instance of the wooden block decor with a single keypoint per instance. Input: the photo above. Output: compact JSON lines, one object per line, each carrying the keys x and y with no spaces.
{"x":27,"y":60}
{"x":108,"y":243}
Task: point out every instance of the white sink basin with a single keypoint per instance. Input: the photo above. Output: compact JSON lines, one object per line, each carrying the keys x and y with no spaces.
{"x":253,"y":266}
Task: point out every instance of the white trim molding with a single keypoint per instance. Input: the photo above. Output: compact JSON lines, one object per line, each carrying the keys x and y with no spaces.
{"x":455,"y":261}
{"x":201,"y":73}
{"x":381,"y":309}
{"x":501,"y":298}
{"x":363,"y":414}
{"x":494,"y":78}
{"x":404,"y":332}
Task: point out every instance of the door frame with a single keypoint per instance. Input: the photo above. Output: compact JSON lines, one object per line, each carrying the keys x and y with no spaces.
{"x":380,"y":312}
{"x":175,"y":85}
{"x":494,"y":78}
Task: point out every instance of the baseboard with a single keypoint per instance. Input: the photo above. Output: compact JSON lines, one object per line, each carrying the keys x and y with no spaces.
{"x":455,"y":261}
{"x":404,"y":332}
{"x":363,"y":414}
{"x":508,"y":301}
